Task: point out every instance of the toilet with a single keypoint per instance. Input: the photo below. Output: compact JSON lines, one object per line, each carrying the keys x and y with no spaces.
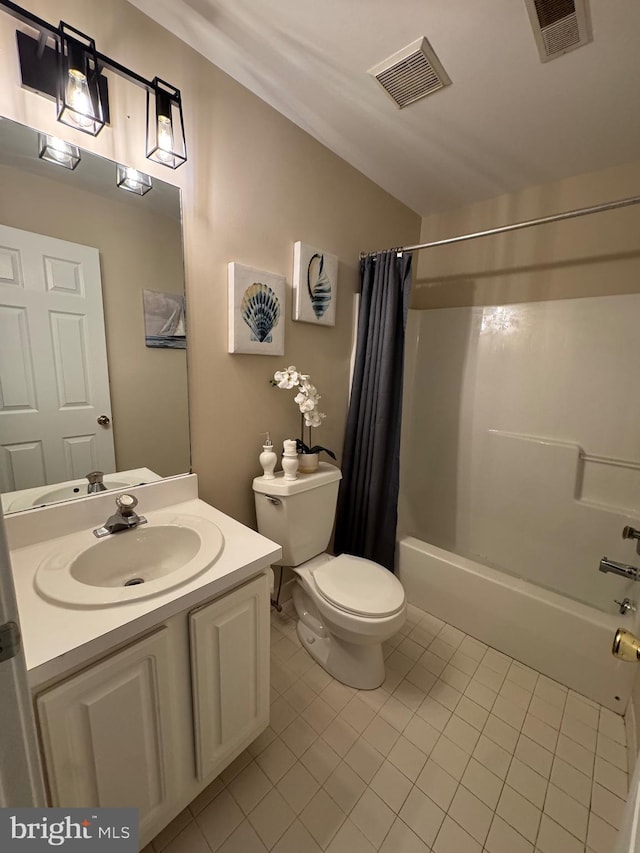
{"x":346,"y":606}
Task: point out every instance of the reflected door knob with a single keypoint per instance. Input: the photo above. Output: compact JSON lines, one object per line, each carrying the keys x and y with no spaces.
{"x":104,"y":420}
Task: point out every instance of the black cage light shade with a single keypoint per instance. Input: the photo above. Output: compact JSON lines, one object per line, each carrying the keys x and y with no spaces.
{"x":132,"y":180}
{"x":165,"y":127}
{"x":78,"y":93}
{"x":57,"y":151}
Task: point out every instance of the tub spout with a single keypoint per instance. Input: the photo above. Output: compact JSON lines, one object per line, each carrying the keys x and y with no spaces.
{"x":630,"y":572}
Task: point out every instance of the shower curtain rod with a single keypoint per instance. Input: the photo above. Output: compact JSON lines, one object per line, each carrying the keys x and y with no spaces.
{"x":516,"y":226}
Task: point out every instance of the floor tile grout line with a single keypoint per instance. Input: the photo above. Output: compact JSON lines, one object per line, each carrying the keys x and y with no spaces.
{"x":520,"y":732}
{"x":293,"y":673}
{"x":504,"y":679}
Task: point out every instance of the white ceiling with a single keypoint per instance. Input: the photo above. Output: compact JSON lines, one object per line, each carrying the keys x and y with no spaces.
{"x":507,"y":121}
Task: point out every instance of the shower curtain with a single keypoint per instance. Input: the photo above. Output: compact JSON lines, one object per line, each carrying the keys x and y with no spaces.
{"x":368,"y":500}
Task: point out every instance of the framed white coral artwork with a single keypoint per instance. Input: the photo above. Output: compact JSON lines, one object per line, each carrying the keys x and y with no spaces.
{"x":256,"y":311}
{"x":315,"y":282}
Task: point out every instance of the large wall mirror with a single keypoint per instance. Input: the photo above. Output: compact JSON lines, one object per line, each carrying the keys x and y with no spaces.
{"x":83,"y":265}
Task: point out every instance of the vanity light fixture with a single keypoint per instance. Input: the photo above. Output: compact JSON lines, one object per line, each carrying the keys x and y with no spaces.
{"x":132,"y":180}
{"x":61,"y":62}
{"x":165,"y":128}
{"x":57,"y":151}
{"x":78,"y":94}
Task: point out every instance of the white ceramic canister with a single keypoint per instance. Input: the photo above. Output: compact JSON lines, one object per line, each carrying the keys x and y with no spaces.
{"x":290,"y":459}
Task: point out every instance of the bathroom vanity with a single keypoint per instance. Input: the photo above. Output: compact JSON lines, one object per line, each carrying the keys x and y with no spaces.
{"x":143,"y":702}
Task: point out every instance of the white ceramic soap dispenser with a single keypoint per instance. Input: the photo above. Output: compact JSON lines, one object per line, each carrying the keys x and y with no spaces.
{"x":268,"y":459}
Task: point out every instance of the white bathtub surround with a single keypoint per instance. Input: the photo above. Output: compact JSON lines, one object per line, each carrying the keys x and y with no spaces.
{"x":513,"y":454}
{"x":462,"y":750}
{"x":564,"y":639}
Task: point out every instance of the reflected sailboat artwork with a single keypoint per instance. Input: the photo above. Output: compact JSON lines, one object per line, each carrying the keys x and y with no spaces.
{"x":164,"y":319}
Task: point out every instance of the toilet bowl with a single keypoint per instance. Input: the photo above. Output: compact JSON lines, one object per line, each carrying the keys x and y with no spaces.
{"x":347,"y":607}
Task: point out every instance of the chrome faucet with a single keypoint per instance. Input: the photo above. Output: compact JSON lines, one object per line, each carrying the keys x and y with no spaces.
{"x":124,"y":519}
{"x":630,"y":572}
{"x":95,"y":482}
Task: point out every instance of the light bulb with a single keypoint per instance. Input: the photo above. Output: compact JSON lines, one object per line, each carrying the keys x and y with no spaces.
{"x":128,"y":178}
{"x":132,"y":178}
{"x":165,"y":139}
{"x":58,"y":149}
{"x":78,"y":98}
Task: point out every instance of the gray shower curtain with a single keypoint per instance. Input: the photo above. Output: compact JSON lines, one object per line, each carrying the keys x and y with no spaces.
{"x":368,"y":500}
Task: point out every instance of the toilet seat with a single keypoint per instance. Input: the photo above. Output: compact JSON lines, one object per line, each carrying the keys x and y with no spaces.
{"x":359,"y":586}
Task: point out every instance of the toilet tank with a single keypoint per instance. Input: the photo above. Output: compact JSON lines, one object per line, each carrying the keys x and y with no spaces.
{"x":298,"y":514}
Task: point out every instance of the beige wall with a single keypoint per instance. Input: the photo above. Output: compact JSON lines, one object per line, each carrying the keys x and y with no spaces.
{"x":253,"y":185}
{"x":590,"y":256}
{"x":138,"y":250}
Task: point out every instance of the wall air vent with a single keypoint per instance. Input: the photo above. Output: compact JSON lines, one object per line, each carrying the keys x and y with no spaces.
{"x":412,"y":73}
{"x":559,"y":26}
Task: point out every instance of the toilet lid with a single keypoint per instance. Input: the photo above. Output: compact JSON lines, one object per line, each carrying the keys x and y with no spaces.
{"x":359,"y":586}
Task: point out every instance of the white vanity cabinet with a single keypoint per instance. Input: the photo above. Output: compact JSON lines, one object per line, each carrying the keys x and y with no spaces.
{"x":123,"y":731}
{"x":108,"y":732}
{"x":229,"y":675}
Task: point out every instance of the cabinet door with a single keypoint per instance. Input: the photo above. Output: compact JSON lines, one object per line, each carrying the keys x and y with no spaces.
{"x":107,"y":733}
{"x":230,"y":674}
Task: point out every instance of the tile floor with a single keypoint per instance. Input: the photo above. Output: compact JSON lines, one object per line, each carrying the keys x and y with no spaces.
{"x":462,"y":750}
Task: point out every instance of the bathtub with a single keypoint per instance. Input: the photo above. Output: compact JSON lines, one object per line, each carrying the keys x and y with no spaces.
{"x":564,"y":639}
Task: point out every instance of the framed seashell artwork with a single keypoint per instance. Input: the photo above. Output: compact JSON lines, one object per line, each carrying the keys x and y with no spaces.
{"x":315,"y":281}
{"x":256,"y":311}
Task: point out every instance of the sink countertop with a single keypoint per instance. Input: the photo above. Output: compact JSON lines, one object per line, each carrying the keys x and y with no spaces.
{"x":59,"y":637}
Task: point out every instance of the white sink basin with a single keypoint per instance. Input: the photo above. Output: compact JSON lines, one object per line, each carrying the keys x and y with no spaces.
{"x":67,"y":493}
{"x":73,"y":489}
{"x":168,"y":551}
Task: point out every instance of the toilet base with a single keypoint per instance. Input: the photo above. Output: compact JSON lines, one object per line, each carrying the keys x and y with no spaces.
{"x":359,"y":666}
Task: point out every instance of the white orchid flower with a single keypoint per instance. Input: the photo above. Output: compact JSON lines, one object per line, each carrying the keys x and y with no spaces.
{"x":301,"y":400}
{"x":287,"y":378}
{"x":313,"y":418}
{"x":307,"y":399}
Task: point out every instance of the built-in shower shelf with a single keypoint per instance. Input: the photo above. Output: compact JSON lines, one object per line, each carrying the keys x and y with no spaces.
{"x":608,"y":483}
{"x":542,"y":510}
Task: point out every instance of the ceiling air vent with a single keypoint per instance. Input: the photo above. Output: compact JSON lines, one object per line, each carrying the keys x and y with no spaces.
{"x":412,"y":73}
{"x":559,"y":26}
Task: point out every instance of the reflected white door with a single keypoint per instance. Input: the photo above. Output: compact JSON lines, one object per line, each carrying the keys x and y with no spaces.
{"x":54,"y":382}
